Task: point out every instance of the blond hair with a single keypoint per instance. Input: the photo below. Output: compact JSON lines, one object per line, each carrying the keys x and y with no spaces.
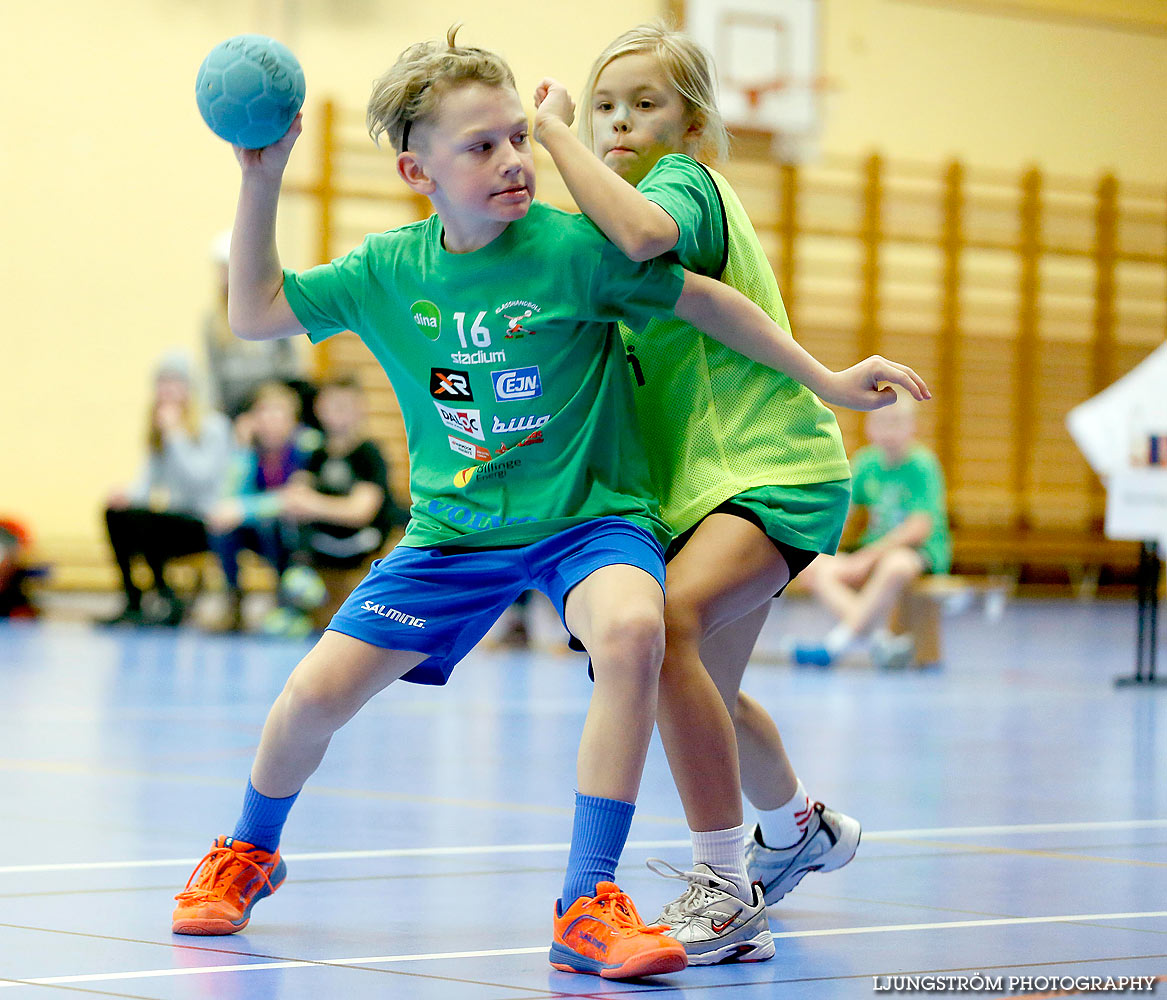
{"x":174,"y":365}
{"x":192,"y":423}
{"x":411,"y":89}
{"x":687,"y":67}
{"x":277,"y":392}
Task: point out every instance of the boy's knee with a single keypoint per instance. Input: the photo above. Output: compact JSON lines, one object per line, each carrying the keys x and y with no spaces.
{"x":311,"y":696}
{"x":634,"y":632}
{"x":901,"y":564}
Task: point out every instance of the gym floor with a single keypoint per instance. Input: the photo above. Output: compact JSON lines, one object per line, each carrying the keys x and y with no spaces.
{"x":1014,"y":805}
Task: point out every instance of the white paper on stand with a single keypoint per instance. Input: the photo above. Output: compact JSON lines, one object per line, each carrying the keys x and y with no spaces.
{"x":1136,"y":506}
{"x":1112,"y":427}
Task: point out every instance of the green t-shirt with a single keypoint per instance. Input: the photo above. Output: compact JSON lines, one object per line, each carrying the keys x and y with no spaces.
{"x":508,"y":368}
{"x":892,"y":492}
{"x":714,"y":422}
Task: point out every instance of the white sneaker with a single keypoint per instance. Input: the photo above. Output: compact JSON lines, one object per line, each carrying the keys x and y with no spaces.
{"x":711,"y":921}
{"x":893,"y":652}
{"x":830,"y":841}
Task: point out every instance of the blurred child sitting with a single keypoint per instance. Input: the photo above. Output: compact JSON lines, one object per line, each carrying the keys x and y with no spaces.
{"x":160,"y":517}
{"x":897,"y":483}
{"x":340,"y":510}
{"x":248,"y":515}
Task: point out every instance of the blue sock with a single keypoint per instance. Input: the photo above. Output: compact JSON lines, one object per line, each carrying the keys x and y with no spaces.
{"x":597,"y":840}
{"x":262,"y":820}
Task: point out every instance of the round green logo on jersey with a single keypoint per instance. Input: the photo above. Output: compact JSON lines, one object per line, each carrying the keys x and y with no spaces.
{"x":428,"y":318}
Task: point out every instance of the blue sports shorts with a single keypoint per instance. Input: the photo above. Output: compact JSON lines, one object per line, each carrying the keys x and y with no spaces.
{"x":442,"y":602}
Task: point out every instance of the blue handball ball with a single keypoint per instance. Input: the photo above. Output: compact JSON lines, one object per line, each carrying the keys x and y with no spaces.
{"x":249,"y":89}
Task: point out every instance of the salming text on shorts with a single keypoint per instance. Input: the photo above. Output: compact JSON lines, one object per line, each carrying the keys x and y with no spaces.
{"x":441,"y":602}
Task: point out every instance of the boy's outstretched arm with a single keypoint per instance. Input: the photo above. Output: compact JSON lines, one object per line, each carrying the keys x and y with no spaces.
{"x":256,"y":306}
{"x":726,"y":315}
{"x":639,"y":227}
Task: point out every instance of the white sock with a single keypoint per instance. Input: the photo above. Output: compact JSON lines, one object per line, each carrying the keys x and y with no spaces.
{"x":786,"y":825}
{"x":839,"y":640}
{"x":725,"y":852}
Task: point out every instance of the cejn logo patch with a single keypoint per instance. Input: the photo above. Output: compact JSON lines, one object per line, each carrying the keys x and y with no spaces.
{"x":517,"y":383}
{"x":463,"y":421}
{"x":450,"y":384}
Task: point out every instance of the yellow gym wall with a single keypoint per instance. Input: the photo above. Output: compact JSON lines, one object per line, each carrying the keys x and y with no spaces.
{"x":114,"y":188}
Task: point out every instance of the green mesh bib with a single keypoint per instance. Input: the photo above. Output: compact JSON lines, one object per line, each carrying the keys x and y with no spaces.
{"x":714,"y":422}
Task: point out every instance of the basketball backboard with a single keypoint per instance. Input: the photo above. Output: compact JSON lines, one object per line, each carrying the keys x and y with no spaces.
{"x":767,"y":55}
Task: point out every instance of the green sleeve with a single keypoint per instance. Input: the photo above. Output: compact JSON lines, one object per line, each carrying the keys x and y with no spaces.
{"x":631,"y":292}
{"x":328,"y":298}
{"x":684,"y":189}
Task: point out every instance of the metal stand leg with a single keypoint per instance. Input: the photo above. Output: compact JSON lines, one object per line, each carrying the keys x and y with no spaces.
{"x":1147,"y":647}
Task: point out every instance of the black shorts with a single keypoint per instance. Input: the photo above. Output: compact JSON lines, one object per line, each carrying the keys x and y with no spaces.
{"x":796,"y":559}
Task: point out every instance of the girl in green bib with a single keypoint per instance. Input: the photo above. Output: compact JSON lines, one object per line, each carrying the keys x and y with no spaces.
{"x":748,"y":463}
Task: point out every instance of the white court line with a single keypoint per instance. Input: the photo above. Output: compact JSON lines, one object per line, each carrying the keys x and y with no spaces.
{"x":542,"y":949}
{"x":431,"y":852}
{"x":396,"y":852}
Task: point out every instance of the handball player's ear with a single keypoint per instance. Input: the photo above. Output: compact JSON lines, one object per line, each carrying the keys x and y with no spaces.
{"x":411,"y":171}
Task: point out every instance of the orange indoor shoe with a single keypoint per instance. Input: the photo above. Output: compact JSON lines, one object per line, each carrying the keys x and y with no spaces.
{"x":224,"y":886}
{"x":603,"y":935}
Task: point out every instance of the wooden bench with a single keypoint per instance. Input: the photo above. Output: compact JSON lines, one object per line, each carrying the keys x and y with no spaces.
{"x":1080,"y":555}
{"x":921,"y":607}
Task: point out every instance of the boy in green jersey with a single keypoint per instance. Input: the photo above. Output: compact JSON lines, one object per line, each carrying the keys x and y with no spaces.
{"x":898,"y":486}
{"x":749,"y":465}
{"x":495,"y":321}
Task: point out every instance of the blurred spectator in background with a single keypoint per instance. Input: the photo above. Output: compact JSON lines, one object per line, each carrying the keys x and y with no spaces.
{"x":516,"y":630}
{"x":239,"y":367}
{"x":14,"y":602}
{"x":248,"y":515}
{"x":160,"y":517}
{"x":339,"y":508}
{"x":897,"y":486}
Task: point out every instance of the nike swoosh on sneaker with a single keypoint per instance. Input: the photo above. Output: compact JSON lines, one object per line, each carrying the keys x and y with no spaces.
{"x":718,"y":928}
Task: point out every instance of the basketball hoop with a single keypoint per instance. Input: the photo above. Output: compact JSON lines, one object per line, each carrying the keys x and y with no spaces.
{"x":767,"y":58}
{"x":755,"y":92}
{"x":760,"y":107}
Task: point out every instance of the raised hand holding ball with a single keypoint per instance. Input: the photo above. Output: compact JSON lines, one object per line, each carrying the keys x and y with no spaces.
{"x":249,"y":89}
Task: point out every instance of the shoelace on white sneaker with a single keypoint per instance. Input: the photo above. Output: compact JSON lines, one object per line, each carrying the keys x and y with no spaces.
{"x":701,"y":893}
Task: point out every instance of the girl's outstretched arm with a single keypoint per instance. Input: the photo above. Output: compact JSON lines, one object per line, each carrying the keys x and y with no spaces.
{"x":639,"y":227}
{"x":725,"y":314}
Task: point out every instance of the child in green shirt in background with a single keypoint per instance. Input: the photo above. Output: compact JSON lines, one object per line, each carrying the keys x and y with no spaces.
{"x":898,"y":486}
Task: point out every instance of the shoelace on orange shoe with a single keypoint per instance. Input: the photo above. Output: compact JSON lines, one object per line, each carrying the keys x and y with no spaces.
{"x":621,"y":911}
{"x":219,"y":869}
